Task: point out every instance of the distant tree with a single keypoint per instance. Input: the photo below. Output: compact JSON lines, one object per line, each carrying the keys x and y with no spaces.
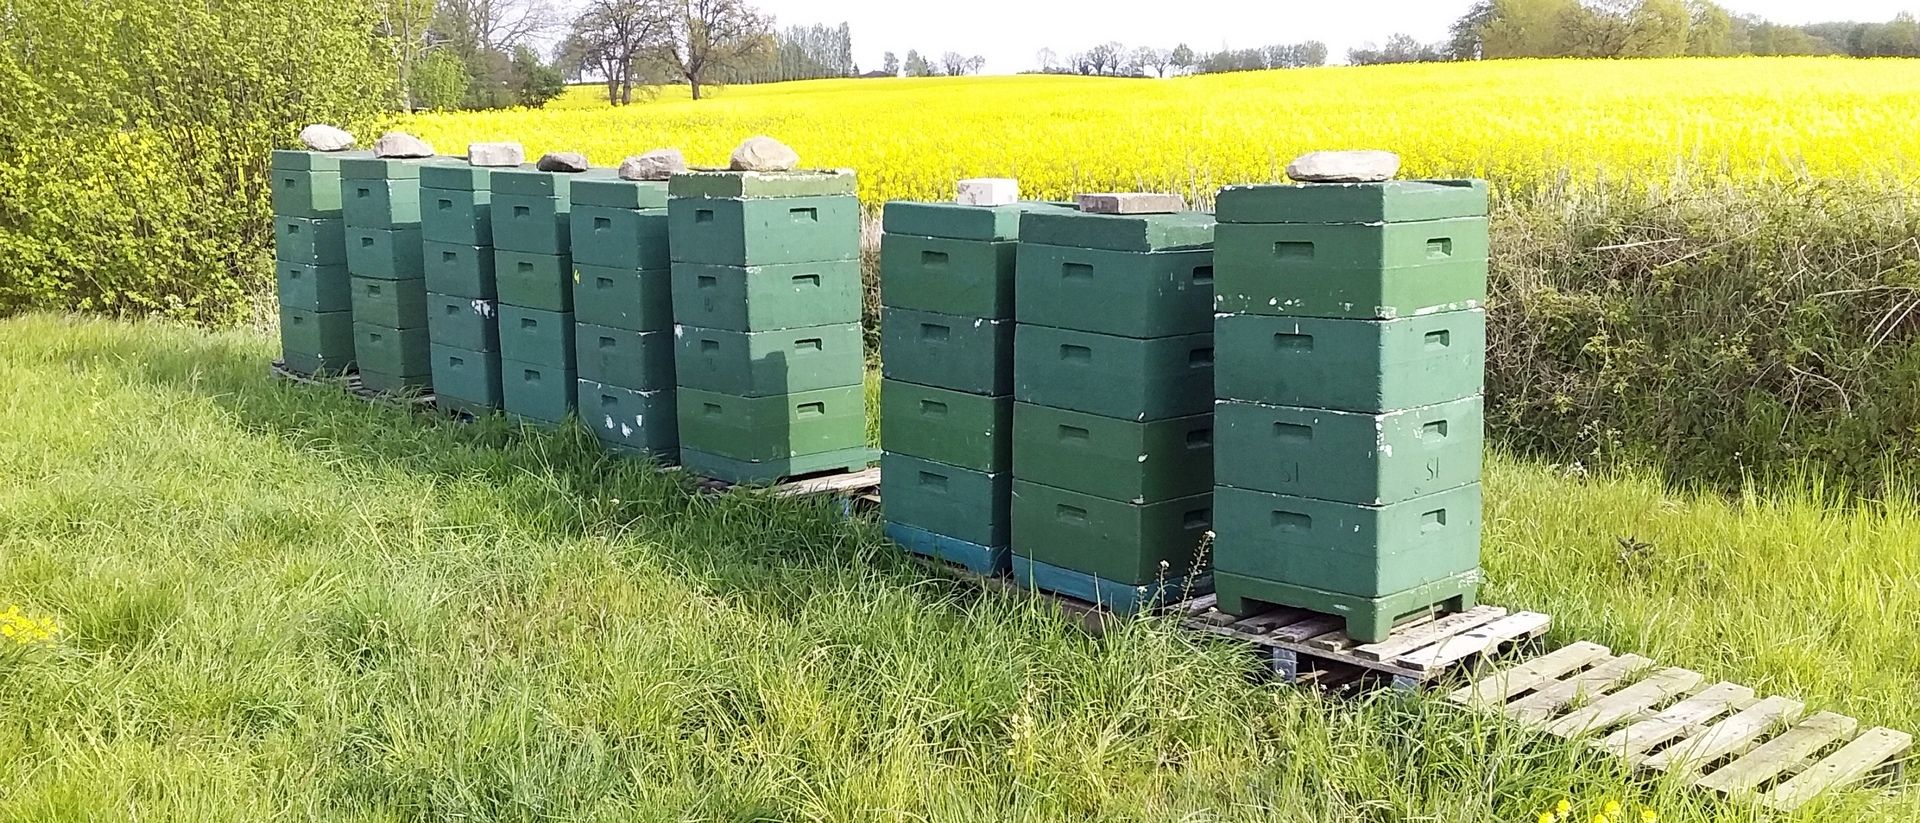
{"x":890,"y":64}
{"x":1158,"y":61}
{"x":403,"y":28}
{"x":1046,"y":58}
{"x":1105,"y":58}
{"x":1466,"y":38}
{"x":917,"y":66}
{"x":975,"y":64}
{"x":1400,"y":48}
{"x":1657,"y":28}
{"x":1709,"y":30}
{"x":535,"y":82}
{"x":707,"y":37}
{"x":953,"y":64}
{"x":1182,"y":57}
{"x":617,"y":38}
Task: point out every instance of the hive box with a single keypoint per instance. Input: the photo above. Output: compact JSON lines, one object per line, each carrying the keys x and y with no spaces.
{"x":387,"y":254}
{"x":1398,"y":201}
{"x":305,"y":184}
{"x":541,"y":392}
{"x":314,"y":288}
{"x":960,"y":277}
{"x":1369,"y":366}
{"x":769,"y":363}
{"x":755,"y":439}
{"x":1117,"y":232}
{"x":316,"y":342}
{"x":1114,"y":376}
{"x":763,"y":232}
{"x":623,"y":298}
{"x":395,"y":304}
{"x":1369,"y":619}
{"x":1360,"y":271}
{"x":959,"y":503}
{"x":463,"y":323}
{"x":1371,"y":459}
{"x":381,"y":204}
{"x":763,"y":298}
{"x":970,"y":431}
{"x":459,"y":271}
{"x":537,"y":336}
{"x":1125,"y":543}
{"x":534,"y":281}
{"x":466,"y":380}
{"x":969,"y":354}
{"x":456,"y":204}
{"x":619,"y":224}
{"x":311,"y":242}
{"x":1367,"y":551}
{"x":393,"y":361}
{"x":1137,"y":294}
{"x":531,"y":211}
{"x":638,"y":361}
{"x":1112,"y":458}
{"x":641,"y":422}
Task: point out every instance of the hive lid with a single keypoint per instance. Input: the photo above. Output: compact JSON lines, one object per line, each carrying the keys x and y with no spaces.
{"x":605,"y":187}
{"x":1397,"y":201}
{"x":1119,"y":232}
{"x":531,"y":182}
{"x":957,"y":222}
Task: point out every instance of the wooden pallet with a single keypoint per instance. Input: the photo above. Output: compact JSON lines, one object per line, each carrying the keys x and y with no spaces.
{"x":851,"y":487}
{"x":352,"y":384}
{"x":1716,"y":736}
{"x":1308,"y":647}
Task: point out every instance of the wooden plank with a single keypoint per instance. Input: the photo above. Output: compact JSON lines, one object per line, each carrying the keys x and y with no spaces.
{"x":1853,"y":761}
{"x":1780,"y":754}
{"x":850,"y":481}
{"x":1729,"y":736}
{"x":1340,"y":642}
{"x":1493,"y":690}
{"x":1535,"y":708}
{"x":1264,"y":623}
{"x":1605,"y":712}
{"x":1460,"y":647}
{"x":1199,"y":605}
{"x":1416,"y":637}
{"x":1681,"y":718}
{"x":1307,"y":629}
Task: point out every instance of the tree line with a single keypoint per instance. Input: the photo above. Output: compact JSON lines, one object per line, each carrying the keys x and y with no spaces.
{"x":467,"y":54}
{"x":1116,"y":59}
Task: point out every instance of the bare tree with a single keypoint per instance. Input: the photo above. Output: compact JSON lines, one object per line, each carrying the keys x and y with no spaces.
{"x":975,"y":64}
{"x":707,"y":36}
{"x":1046,"y":58}
{"x":1105,"y":58}
{"x":953,"y":64}
{"x":404,"y":27}
{"x":618,"y":37}
{"x":475,"y":26}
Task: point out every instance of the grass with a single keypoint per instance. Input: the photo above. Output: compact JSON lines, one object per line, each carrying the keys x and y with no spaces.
{"x":278,"y":602}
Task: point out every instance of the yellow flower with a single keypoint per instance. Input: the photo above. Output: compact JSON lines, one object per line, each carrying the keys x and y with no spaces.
{"x":1648,"y":816}
{"x":1611,"y":809}
{"x":1545,"y":817}
{"x":1562,"y":808}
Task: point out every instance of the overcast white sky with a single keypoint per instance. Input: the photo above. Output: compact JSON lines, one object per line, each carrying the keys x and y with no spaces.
{"x":1009,"y":32}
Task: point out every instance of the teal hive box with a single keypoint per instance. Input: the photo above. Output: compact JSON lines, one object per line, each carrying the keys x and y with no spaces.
{"x":462,"y":271}
{"x":540,"y":392}
{"x":1116,"y":541}
{"x":958,"y":222}
{"x":1352,"y":270}
{"x":316,"y":161}
{"x":457,"y":175}
{"x":460,"y":217}
{"x":466,"y":380}
{"x":937,"y":274}
{"x":530,"y":211}
{"x":1137,"y":294}
{"x":388,"y":254}
{"x":759,"y":472}
{"x":641,"y":361}
{"x":769,"y":363}
{"x":606,"y":188}
{"x":764,"y":298}
{"x":401,"y":354}
{"x":1367,"y":366}
{"x":773,"y":429}
{"x":970,"y":431}
{"x":1118,"y":232}
{"x":312,"y":242}
{"x":1366,"y":551}
{"x":619,"y":238}
{"x":463,"y":322}
{"x":711,"y":183}
{"x":362,"y":165}
{"x":632,"y":421}
{"x":534,"y":281}
{"x":1114,"y":376}
{"x":312,"y":194}
{"x":764,"y":232}
{"x":1113,"y":458}
{"x":1398,"y":201}
{"x":538,"y":336}
{"x":381,"y":204}
{"x":947,"y":500}
{"x":395,"y":304}
{"x":528,"y":181}
{"x":1370,"y":459}
{"x":314,"y":288}
{"x":316,"y":342}
{"x":968,"y":354}
{"x":1369,"y":619}
{"x":623,"y":298}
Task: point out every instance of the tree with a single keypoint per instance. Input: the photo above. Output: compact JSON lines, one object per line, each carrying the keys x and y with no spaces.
{"x":1400,"y":48}
{"x":1182,"y":57}
{"x":403,"y":29}
{"x":1104,"y":58}
{"x":890,"y":64}
{"x":1657,"y":28}
{"x":917,"y":66}
{"x":1710,"y":31}
{"x":1046,"y":58}
{"x":1466,"y":38}
{"x":470,"y":27}
{"x":534,"y":82}
{"x":706,"y":37}
{"x":440,"y":82}
{"x":975,"y":64}
{"x":616,"y":37}
{"x":1152,"y":59}
{"x":953,"y":64}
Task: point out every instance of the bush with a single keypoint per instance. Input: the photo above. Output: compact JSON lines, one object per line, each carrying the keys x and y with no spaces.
{"x":134,"y":143}
{"x":440,"y":82}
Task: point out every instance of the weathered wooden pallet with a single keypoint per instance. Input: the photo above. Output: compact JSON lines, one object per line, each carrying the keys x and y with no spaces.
{"x":1304,"y":646}
{"x":851,"y":487}
{"x":352,"y":384}
{"x":1717,"y":736}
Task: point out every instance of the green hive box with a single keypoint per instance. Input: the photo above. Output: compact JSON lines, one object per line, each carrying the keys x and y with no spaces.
{"x":1116,"y":541}
{"x":769,"y":363}
{"x":311,"y":194}
{"x":641,"y":361}
{"x":535,"y":223}
{"x":299,"y":160}
{"x":623,"y":298}
{"x":1370,"y":459}
{"x":958,"y":222}
{"x":968,"y":354}
{"x":605,"y":187}
{"x":629,"y":420}
{"x":773,"y":429}
{"x":947,"y":500}
{"x":381,"y":204}
{"x":1352,"y":365}
{"x":395,"y":304}
{"x":1114,"y":376}
{"x":316,"y":342}
{"x":400,"y":354}
{"x":1352,"y":270}
{"x":528,"y":181}
{"x":961,"y":277}
{"x":780,"y":184}
{"x":463,"y":322}
{"x":1399,"y":201}
{"x":313,"y":242}
{"x":538,"y":336}
{"x":1138,"y":294}
{"x":458,"y":270}
{"x":764,"y":232}
{"x":970,"y":431}
{"x":461,"y":217}
{"x":541,"y":392}
{"x":535,"y":281}
{"x":764,"y":298}
{"x":314,"y":288}
{"x":1118,"y":232}
{"x":388,"y":254}
{"x":1366,"y":551}
{"x":465,"y":380}
{"x":362,"y":165}
{"x":618,"y":238}
{"x":1112,"y":458}
{"x":1369,"y":619}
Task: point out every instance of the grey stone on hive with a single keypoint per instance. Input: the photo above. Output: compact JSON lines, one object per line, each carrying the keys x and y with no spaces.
{"x":496,"y":155}
{"x":659,"y":164}
{"x":563,"y":161}
{"x":401,"y":145}
{"x":322,"y":137}
{"x":1345,"y":167}
{"x":763,"y":154}
{"x":1131,"y":203}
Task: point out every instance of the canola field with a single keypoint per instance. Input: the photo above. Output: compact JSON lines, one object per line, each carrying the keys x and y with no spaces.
{"x":1517,"y":123}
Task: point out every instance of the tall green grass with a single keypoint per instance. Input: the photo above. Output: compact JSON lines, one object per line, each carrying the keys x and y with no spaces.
{"x":282,"y":603}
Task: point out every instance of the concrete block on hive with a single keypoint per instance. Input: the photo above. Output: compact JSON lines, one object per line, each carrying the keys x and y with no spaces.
{"x":1131,"y":203}
{"x":988,"y":191}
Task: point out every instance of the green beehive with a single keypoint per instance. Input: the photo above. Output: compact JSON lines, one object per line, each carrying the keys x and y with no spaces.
{"x":534,"y":281}
{"x":1125,"y":543}
{"x":1366,"y":551}
{"x":623,"y":298}
{"x":313,"y":161}
{"x":309,"y":194}
{"x":538,"y":336}
{"x":1117,"y":232}
{"x":1363,"y":271}
{"x":1371,"y":459}
{"x":969,"y":354}
{"x":381,"y":204}
{"x":1398,"y":201}
{"x":311,"y":242}
{"x":1114,"y":376}
{"x":387,"y":254}
{"x":769,"y":363}
{"x":541,"y":392}
{"x":764,"y":298}
{"x":1367,"y":366}
{"x":620,"y":224}
{"x":456,"y":204}
{"x":393,"y":361}
{"x":362,"y":165}
{"x":463,"y":322}
{"x":962,"y":277}
{"x":1137,"y":294}
{"x":950,"y":501}
{"x":316,"y":342}
{"x":530,"y":211}
{"x":395,"y":304}
{"x":1113,"y":458}
{"x":755,"y":439}
{"x":641,"y":422}
{"x":459,"y":270}
{"x":764,"y":232}
{"x":970,"y":431}
{"x":994,"y":224}
{"x":314,"y":288}
{"x":1368,"y":619}
{"x":640,"y":361}
{"x":465,"y":380}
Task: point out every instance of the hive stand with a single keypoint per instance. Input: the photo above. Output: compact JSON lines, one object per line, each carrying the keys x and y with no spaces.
{"x":352,"y":384}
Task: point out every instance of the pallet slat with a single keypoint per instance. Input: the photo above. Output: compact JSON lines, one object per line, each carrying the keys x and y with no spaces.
{"x":1430,"y":633}
{"x":1493,"y":690}
{"x":1853,"y":761}
{"x":1679,"y":719}
{"x":1607,"y":711}
{"x":1460,"y":647}
{"x":1775,"y":756}
{"x":1729,"y":736}
{"x":1535,"y":708}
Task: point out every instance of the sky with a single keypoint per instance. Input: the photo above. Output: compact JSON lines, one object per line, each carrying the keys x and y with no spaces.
{"x":1009,"y":33}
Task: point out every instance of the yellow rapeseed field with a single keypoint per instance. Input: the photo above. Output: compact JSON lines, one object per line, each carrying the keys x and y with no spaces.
{"x":1514,"y":122}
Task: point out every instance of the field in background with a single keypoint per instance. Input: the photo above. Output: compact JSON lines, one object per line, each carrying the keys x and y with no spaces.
{"x":1515,"y":122}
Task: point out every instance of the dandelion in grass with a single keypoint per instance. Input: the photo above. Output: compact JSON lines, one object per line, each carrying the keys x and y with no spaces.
{"x":26,"y":630}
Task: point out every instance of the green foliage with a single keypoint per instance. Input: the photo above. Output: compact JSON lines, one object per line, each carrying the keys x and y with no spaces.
{"x":440,"y":82}
{"x":535,"y":83}
{"x":135,"y":143}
